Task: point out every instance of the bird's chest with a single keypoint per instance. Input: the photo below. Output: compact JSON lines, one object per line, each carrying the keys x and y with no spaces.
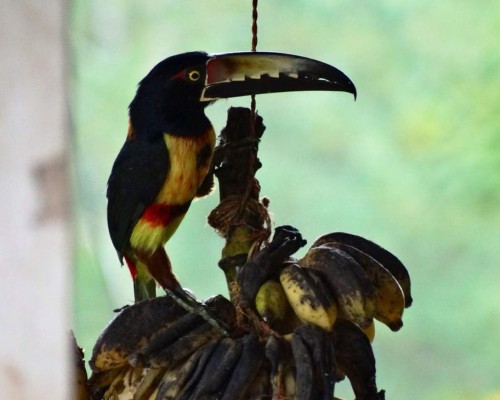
{"x":190,"y":159}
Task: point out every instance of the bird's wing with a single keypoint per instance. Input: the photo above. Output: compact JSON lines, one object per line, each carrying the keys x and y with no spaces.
{"x":136,"y":179}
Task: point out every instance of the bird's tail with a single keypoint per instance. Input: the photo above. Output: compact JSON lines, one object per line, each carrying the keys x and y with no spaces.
{"x":147,"y":269}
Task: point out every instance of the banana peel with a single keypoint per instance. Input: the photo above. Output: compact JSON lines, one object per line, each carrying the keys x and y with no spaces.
{"x":353,"y":291}
{"x":311,"y":302}
{"x":383,"y":256}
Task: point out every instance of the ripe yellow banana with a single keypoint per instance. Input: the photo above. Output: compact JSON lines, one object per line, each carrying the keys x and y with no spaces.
{"x":354,"y":292}
{"x":384,"y":257}
{"x":390,"y":297}
{"x":309,"y":298}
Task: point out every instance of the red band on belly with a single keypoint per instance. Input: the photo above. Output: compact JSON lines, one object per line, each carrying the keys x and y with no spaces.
{"x":162,"y":214}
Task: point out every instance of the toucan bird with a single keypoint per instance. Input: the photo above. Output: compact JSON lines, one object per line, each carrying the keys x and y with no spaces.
{"x":170,"y":143}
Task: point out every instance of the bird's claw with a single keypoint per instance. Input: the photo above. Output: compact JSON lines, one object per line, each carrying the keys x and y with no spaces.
{"x":188,"y":302}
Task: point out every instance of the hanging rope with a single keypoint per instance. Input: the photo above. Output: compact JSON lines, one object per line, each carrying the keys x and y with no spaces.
{"x":254,"y":25}
{"x":254,"y":44}
{"x":240,"y":208}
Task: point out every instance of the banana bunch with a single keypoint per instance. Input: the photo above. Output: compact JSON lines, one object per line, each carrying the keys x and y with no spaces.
{"x":342,"y":284}
{"x":297,"y":328}
{"x":341,"y":276}
{"x":185,"y":357}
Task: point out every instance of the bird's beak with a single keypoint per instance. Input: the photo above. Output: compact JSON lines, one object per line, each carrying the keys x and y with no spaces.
{"x":249,"y":73}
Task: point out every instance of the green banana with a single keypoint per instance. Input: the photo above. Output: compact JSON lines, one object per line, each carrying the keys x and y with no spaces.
{"x":271,"y":302}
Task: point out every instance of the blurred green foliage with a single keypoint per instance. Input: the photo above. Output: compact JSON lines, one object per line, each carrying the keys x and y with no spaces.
{"x":413,"y":164}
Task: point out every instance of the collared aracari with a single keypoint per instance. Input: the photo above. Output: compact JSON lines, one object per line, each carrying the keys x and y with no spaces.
{"x":170,"y":144}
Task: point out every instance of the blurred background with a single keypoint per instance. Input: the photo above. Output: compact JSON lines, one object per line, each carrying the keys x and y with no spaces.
{"x":413,"y":164}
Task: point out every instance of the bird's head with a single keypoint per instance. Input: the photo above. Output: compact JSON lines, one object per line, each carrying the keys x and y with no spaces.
{"x":173,"y":95}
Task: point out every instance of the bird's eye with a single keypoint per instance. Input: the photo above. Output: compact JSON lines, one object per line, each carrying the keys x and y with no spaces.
{"x":194,"y":75}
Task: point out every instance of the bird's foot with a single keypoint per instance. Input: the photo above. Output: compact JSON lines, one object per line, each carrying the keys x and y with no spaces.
{"x":187,"y":301}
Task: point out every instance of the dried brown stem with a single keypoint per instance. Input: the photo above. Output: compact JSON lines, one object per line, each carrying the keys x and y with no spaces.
{"x":241,"y":218}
